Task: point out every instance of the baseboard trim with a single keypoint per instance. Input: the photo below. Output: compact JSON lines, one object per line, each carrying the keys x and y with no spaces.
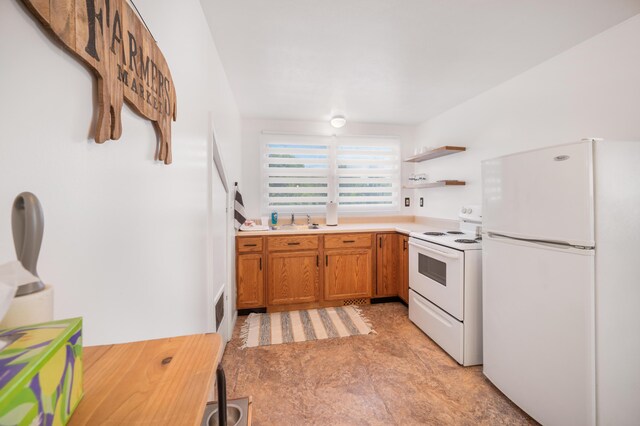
{"x":243,"y":312}
{"x":387,"y":300}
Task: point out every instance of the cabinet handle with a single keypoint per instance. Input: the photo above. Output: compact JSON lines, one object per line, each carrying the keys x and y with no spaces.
{"x":349,"y":241}
{"x":293,"y":244}
{"x":250,"y":245}
{"x":404,"y":245}
{"x":261,"y":264}
{"x":317,"y":260}
{"x":380,"y":242}
{"x":326,"y":259}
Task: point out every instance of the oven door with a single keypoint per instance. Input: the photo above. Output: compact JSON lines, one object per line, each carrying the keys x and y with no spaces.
{"x":437,"y":273}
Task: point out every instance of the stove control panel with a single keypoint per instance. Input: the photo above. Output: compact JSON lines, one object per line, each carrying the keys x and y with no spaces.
{"x":471,"y":213}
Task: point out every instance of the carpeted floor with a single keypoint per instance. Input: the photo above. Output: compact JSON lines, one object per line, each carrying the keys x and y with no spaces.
{"x":398,"y":376}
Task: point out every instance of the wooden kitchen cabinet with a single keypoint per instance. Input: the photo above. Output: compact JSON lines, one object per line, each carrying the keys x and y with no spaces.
{"x":293,"y":277}
{"x":387,"y":265}
{"x":249,"y":244}
{"x":300,"y":271}
{"x":250,"y":281}
{"x":348,"y":273}
{"x":403,"y":281}
{"x":293,"y":242}
{"x":342,"y":241}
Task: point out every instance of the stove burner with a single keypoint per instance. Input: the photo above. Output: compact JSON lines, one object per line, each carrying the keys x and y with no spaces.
{"x":455,"y":232}
{"x":465,"y":241}
{"x":435,"y":234}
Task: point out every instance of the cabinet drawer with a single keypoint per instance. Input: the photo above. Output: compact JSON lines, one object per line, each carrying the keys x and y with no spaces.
{"x":249,"y":244}
{"x":347,"y":240}
{"x":294,"y":242}
{"x":441,"y":327}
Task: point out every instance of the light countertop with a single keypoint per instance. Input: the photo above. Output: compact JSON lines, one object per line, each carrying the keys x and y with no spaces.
{"x":401,"y":227}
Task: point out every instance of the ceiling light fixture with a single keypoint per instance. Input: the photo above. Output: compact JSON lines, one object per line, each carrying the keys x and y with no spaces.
{"x":338,"y":121}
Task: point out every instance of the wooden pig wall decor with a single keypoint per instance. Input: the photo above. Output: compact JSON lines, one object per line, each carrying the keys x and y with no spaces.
{"x":112,"y":40}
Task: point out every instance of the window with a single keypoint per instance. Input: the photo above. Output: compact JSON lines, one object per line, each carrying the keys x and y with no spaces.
{"x":303,"y":173}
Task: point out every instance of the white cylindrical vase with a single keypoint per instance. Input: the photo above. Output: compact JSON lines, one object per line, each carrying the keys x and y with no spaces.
{"x":29,"y":309}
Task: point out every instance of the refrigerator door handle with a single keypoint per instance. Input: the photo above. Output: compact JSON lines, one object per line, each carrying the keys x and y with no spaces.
{"x":548,"y":243}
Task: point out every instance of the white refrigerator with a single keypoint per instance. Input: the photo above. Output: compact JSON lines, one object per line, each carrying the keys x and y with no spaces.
{"x":561,"y":281}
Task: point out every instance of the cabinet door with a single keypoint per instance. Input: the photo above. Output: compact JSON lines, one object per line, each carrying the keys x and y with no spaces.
{"x":348,"y":274}
{"x":293,"y":277}
{"x":388,"y":265}
{"x":403,"y":290}
{"x":250,"y":281}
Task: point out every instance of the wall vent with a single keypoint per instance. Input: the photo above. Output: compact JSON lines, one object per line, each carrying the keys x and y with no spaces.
{"x":347,"y":302}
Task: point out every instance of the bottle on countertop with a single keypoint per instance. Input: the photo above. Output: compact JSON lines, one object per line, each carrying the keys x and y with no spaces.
{"x":274,"y":218}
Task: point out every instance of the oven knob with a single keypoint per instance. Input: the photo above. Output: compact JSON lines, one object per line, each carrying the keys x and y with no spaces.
{"x":469,"y":210}
{"x":464,"y":210}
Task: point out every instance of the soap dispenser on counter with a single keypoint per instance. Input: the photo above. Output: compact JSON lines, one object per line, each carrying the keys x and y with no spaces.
{"x":332,"y":214}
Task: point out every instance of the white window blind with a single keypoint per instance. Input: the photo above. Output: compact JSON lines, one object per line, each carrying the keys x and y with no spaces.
{"x":368,"y":174}
{"x":303,"y":173}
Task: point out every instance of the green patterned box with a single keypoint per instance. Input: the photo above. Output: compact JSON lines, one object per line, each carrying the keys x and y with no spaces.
{"x":40,"y":373}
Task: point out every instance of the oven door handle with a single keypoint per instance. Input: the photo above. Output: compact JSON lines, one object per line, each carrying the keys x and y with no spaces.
{"x":438,"y":252}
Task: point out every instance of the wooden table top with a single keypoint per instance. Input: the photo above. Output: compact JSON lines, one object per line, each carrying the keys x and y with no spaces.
{"x":160,"y":382}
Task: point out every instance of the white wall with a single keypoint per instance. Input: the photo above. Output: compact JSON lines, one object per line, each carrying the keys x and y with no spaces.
{"x":591,"y":90}
{"x":252,"y":129}
{"x":125,"y":241}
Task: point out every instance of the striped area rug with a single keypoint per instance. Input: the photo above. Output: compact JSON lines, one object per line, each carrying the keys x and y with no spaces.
{"x":299,"y":326}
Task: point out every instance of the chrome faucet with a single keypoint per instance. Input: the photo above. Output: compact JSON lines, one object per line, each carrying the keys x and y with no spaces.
{"x":293,"y":219}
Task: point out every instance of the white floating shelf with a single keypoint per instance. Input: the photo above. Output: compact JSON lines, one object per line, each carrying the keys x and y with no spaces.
{"x":436,"y":184}
{"x":435,"y":153}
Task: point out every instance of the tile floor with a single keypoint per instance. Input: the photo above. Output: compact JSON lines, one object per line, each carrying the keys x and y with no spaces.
{"x":396,"y":377}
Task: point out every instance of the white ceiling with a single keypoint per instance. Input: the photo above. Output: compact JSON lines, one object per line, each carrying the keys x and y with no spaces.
{"x":390,"y":61}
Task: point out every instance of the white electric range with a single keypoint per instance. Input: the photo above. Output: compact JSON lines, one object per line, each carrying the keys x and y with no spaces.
{"x":445,"y":286}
